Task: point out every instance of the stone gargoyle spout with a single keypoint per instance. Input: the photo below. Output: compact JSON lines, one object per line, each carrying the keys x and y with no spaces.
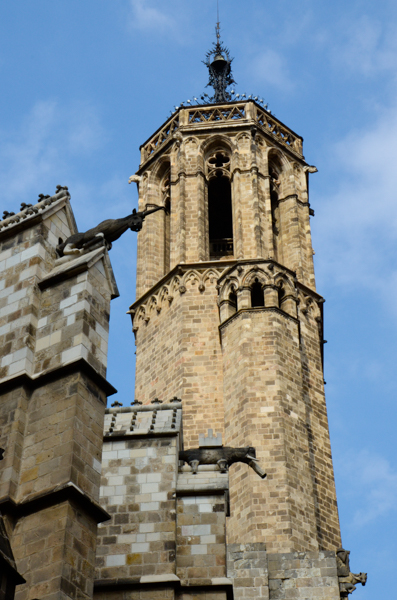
{"x":347,"y":579}
{"x":222,"y":456}
{"x":109,"y":230}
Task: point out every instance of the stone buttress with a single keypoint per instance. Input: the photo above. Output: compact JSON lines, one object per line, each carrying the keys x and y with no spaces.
{"x":54,"y":321}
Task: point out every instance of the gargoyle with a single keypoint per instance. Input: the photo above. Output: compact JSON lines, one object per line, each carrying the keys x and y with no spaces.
{"x":109,"y":230}
{"x":222,"y":456}
{"x":347,"y":579}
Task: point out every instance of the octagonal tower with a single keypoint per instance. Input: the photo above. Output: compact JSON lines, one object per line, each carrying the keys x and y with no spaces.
{"x":227,"y":315}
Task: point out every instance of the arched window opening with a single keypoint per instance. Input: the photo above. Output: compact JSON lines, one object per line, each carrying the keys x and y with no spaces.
{"x":220,"y":219}
{"x":257,"y":294}
{"x":233,"y":301}
{"x":274,"y":175}
{"x":281,"y":294}
{"x":166,"y":200}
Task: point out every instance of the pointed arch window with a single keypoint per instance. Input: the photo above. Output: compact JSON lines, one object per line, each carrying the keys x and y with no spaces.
{"x":274,"y":174}
{"x":257,"y":294}
{"x":220,"y":217}
{"x":166,"y":201}
{"x":280,"y":294}
{"x":233,"y":301}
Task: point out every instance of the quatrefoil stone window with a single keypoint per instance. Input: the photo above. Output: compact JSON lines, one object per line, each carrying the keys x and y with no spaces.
{"x":218,"y":165}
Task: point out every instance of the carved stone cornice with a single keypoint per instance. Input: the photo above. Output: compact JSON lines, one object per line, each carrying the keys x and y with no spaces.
{"x":51,"y":497}
{"x":163,"y":293}
{"x":38,"y":380}
{"x":255,"y":311}
{"x":293,"y":196}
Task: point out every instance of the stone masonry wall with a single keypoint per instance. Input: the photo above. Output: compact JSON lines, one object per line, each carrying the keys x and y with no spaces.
{"x":178,"y":351}
{"x":24,"y":259}
{"x":265,"y":407}
{"x":138,"y":490}
{"x":74,"y":322}
{"x":54,"y":316}
{"x":303,"y":576}
{"x":167,"y":533}
{"x":62,"y":442}
{"x":247,"y":568}
{"x":316,"y":423}
{"x":14,"y":406}
{"x":201,"y":525}
{"x":55,"y":550}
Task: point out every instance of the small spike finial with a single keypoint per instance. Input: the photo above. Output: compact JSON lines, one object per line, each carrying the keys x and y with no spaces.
{"x":218,"y":24}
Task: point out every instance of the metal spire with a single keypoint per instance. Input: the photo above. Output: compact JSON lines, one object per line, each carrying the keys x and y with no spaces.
{"x":218,"y":62}
{"x":218,"y":24}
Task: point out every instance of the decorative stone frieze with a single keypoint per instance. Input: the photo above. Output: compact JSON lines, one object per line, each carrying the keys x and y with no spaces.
{"x":279,"y":287}
{"x":177,"y":282}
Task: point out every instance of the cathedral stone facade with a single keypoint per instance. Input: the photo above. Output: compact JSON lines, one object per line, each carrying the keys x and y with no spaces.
{"x":217,"y":483}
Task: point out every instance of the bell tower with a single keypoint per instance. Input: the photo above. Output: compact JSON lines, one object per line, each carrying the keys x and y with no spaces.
{"x":227,"y":315}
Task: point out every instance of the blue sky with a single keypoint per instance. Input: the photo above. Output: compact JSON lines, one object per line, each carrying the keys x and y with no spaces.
{"x":85,"y":83}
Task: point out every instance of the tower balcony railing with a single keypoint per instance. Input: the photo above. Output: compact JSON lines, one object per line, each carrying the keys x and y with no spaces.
{"x":217,"y":115}
{"x":221,"y":248}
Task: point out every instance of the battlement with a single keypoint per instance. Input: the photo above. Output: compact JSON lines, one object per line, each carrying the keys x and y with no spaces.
{"x":155,"y":419}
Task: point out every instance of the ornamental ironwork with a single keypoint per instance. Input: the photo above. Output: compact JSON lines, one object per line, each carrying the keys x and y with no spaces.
{"x":218,"y":62}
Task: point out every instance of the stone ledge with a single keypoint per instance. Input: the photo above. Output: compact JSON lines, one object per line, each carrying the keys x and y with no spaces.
{"x":221,"y":581}
{"x":257,"y":309}
{"x":67,"y":267}
{"x":66,"y":492}
{"x":143,"y":408}
{"x":179,"y":270}
{"x":210,"y":489}
{"x":124,"y":583}
{"x":117,"y":436}
{"x":161,"y":581}
{"x":159,"y":578}
{"x":40,"y":379}
{"x":255,"y":261}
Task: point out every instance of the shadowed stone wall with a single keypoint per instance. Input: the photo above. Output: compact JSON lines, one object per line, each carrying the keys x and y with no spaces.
{"x":54,"y":316}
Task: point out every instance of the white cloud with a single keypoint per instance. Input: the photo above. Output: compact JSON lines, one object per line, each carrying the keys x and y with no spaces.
{"x":269,"y":67}
{"x":147,"y":17}
{"x":52,"y":145}
{"x":50,"y":138}
{"x":357,"y":226}
{"x":370,"y":484}
{"x":366,"y":46}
